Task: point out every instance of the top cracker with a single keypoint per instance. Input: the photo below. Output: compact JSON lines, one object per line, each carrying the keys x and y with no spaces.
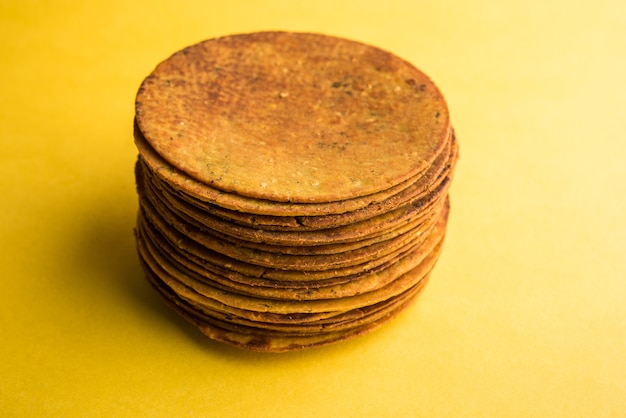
{"x":292,"y":117}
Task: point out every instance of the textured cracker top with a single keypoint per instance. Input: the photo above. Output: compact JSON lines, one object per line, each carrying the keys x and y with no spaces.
{"x":292,"y":116}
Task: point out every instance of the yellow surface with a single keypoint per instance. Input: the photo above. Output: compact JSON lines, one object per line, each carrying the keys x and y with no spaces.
{"x":525,"y":315}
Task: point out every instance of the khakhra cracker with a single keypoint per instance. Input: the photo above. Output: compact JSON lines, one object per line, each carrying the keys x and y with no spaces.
{"x":293,"y":187}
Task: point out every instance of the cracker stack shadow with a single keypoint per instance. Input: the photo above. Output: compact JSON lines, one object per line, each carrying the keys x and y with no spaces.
{"x":293,"y":188}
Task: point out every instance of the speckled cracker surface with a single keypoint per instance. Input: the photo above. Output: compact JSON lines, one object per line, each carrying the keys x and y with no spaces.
{"x":292,"y":117}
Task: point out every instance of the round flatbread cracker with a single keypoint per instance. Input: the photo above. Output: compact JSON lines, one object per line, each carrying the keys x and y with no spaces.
{"x":321,"y":119}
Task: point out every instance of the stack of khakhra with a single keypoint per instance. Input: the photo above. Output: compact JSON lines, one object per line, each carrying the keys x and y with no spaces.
{"x":293,"y":187}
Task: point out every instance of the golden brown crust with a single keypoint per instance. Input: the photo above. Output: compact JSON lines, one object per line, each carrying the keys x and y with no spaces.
{"x":320,"y":119}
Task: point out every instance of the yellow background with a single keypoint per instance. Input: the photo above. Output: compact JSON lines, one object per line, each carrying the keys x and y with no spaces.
{"x":525,"y":315}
